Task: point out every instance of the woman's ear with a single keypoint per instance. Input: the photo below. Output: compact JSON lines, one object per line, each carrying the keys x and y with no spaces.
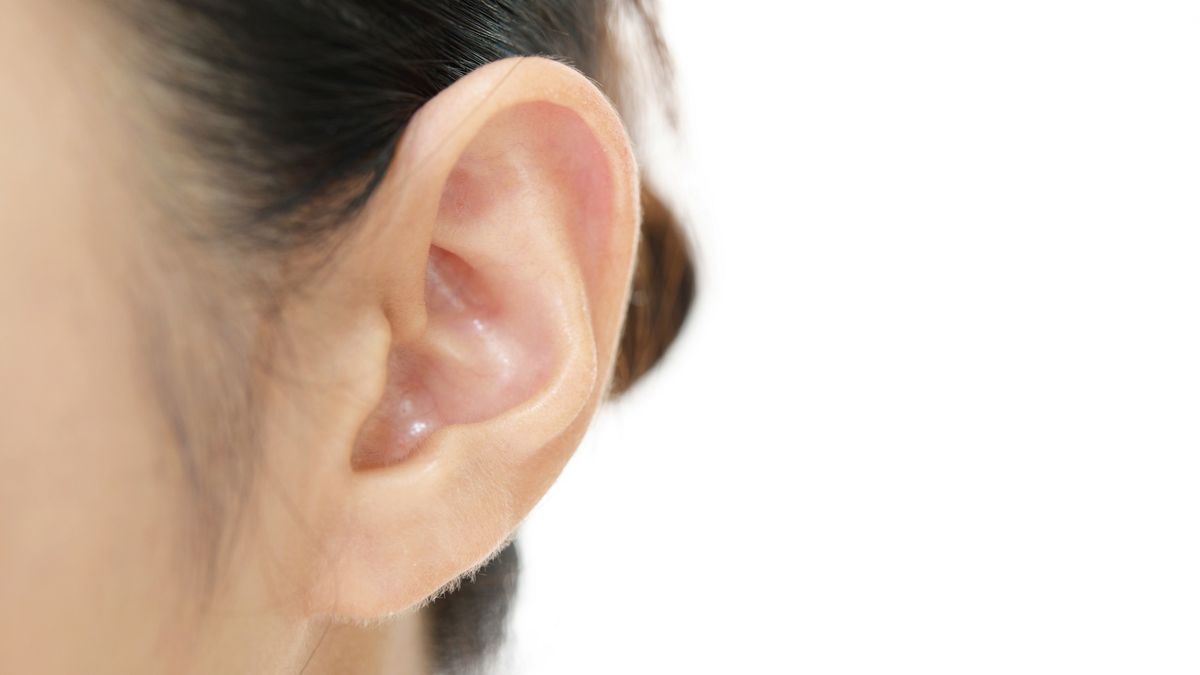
{"x":459,"y":343}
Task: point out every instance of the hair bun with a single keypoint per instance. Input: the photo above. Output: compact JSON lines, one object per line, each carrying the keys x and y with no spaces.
{"x":664,"y":286}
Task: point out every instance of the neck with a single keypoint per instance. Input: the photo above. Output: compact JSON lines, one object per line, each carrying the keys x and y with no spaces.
{"x":249,"y":629}
{"x":394,"y":647}
{"x":261,"y":644}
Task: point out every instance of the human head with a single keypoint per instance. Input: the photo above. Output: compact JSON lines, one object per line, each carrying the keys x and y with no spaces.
{"x":307,"y":305}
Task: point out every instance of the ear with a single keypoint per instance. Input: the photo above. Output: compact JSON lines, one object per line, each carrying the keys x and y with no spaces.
{"x":465,"y":334}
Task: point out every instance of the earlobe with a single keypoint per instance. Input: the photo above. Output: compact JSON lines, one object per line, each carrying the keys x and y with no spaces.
{"x":519,"y":224}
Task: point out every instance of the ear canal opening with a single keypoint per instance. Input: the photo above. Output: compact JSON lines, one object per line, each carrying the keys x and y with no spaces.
{"x":406,"y":415}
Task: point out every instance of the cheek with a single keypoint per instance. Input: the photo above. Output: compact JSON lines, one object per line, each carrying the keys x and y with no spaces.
{"x":88,"y":489}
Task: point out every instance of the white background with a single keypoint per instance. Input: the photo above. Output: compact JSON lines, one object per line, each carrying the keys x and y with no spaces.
{"x":939,"y":408}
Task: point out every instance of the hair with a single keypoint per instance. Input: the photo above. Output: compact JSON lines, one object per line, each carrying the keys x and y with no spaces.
{"x":290,"y":112}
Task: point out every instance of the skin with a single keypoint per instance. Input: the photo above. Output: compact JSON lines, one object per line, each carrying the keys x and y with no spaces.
{"x":485,"y":281}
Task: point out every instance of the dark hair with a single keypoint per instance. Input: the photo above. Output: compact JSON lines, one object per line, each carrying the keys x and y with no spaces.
{"x":291,"y":111}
